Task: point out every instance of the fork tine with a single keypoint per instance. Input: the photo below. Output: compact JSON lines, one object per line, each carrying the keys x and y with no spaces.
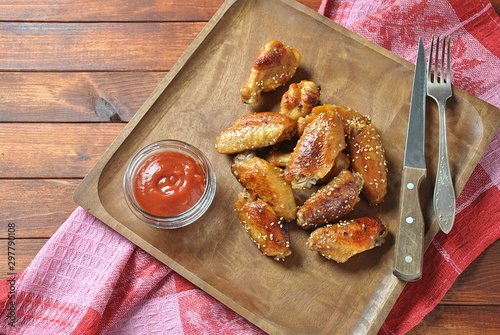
{"x":448,"y":70}
{"x":436,"y":61}
{"x":439,"y":71}
{"x":442,"y":76}
{"x":429,"y":72}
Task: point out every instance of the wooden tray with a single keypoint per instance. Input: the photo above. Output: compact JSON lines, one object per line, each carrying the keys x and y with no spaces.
{"x":199,"y":98}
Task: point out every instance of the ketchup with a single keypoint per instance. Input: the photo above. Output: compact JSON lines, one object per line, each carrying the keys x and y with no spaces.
{"x":168,"y":183}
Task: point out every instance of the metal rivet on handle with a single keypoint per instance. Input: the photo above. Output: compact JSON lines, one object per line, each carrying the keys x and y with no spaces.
{"x":409,"y":219}
{"x":408,"y":259}
{"x":410,"y":186}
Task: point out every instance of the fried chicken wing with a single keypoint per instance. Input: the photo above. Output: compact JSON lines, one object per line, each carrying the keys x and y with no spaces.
{"x":341,"y":162}
{"x":300,"y":99}
{"x":275,"y":65}
{"x":264,"y":227}
{"x":281,"y":159}
{"x":313,"y":156}
{"x":254,"y":131}
{"x":368,"y":158}
{"x":341,"y":241}
{"x":332,"y":201}
{"x":267,"y":182}
{"x":349,"y":116}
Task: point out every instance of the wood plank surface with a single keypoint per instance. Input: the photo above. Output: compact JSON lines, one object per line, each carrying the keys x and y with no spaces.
{"x":479,"y":284}
{"x":496,"y":5}
{"x":53,"y":150}
{"x":74,"y":96}
{"x":25,"y":251}
{"x":103,"y":46}
{"x":459,"y":320}
{"x":66,"y":73}
{"x":114,"y":10}
{"x":53,"y":199}
{"x":111,"y":10}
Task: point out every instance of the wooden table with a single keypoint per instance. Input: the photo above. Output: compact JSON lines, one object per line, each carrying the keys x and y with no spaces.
{"x":73,"y":72}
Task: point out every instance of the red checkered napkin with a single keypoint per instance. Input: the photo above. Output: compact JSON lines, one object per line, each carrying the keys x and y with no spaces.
{"x":87,"y":279}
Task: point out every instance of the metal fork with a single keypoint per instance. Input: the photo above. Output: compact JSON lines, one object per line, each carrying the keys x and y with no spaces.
{"x":439,"y":88}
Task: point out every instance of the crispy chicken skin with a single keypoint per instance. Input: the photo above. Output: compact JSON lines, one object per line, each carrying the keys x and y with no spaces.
{"x":300,"y":99}
{"x":275,"y":65}
{"x":332,"y":201}
{"x":302,"y":122}
{"x":345,"y":239}
{"x":313,"y":156}
{"x":254,"y":131}
{"x":349,"y":116}
{"x":267,"y":182}
{"x":368,"y":158}
{"x":264,"y":227}
{"x":281,"y":159}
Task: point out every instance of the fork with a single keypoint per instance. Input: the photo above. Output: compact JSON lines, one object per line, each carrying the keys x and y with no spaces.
{"x":439,"y":88}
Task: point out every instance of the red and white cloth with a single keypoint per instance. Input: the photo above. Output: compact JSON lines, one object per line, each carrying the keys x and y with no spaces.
{"x":87,"y":279}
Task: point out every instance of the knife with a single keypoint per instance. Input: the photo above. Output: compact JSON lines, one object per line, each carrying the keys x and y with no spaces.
{"x":410,"y":237}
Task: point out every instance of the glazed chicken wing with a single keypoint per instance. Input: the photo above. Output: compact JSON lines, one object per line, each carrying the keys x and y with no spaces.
{"x":267,"y":182}
{"x":300,"y":99}
{"x":254,"y":131}
{"x":303,"y":121}
{"x":332,"y":201}
{"x":264,"y":227}
{"x":368,"y":159}
{"x":349,"y":116}
{"x":341,"y":162}
{"x":313,"y":156}
{"x":341,"y":241}
{"x":352,"y":117}
{"x":281,"y":159}
{"x":275,"y":65}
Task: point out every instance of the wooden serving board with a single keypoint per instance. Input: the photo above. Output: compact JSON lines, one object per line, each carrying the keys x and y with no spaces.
{"x":305,"y":294}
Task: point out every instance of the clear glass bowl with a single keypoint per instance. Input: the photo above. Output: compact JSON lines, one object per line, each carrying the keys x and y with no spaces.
{"x":190,"y":215}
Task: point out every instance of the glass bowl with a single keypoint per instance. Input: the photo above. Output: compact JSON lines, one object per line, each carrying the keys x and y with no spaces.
{"x":188,"y":216}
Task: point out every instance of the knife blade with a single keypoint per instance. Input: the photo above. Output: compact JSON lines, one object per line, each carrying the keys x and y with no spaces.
{"x":410,"y":237}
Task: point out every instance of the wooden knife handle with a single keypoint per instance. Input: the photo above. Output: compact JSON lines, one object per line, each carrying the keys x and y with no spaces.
{"x":410,"y":238}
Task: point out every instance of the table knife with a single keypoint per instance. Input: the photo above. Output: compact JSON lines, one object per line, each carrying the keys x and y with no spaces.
{"x":410,"y":237}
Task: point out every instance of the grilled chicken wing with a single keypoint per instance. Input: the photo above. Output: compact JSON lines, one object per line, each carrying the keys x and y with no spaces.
{"x":341,"y":241}
{"x":267,"y":182}
{"x":332,"y":201}
{"x":341,"y":162}
{"x":282,"y":159}
{"x":275,"y":65}
{"x":254,"y":131}
{"x":302,"y":122}
{"x":264,"y":227}
{"x":300,"y":99}
{"x":313,"y":156}
{"x":349,"y":116}
{"x":368,"y":158}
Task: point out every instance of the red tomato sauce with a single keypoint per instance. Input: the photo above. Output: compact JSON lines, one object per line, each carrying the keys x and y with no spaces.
{"x":168,"y":183}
